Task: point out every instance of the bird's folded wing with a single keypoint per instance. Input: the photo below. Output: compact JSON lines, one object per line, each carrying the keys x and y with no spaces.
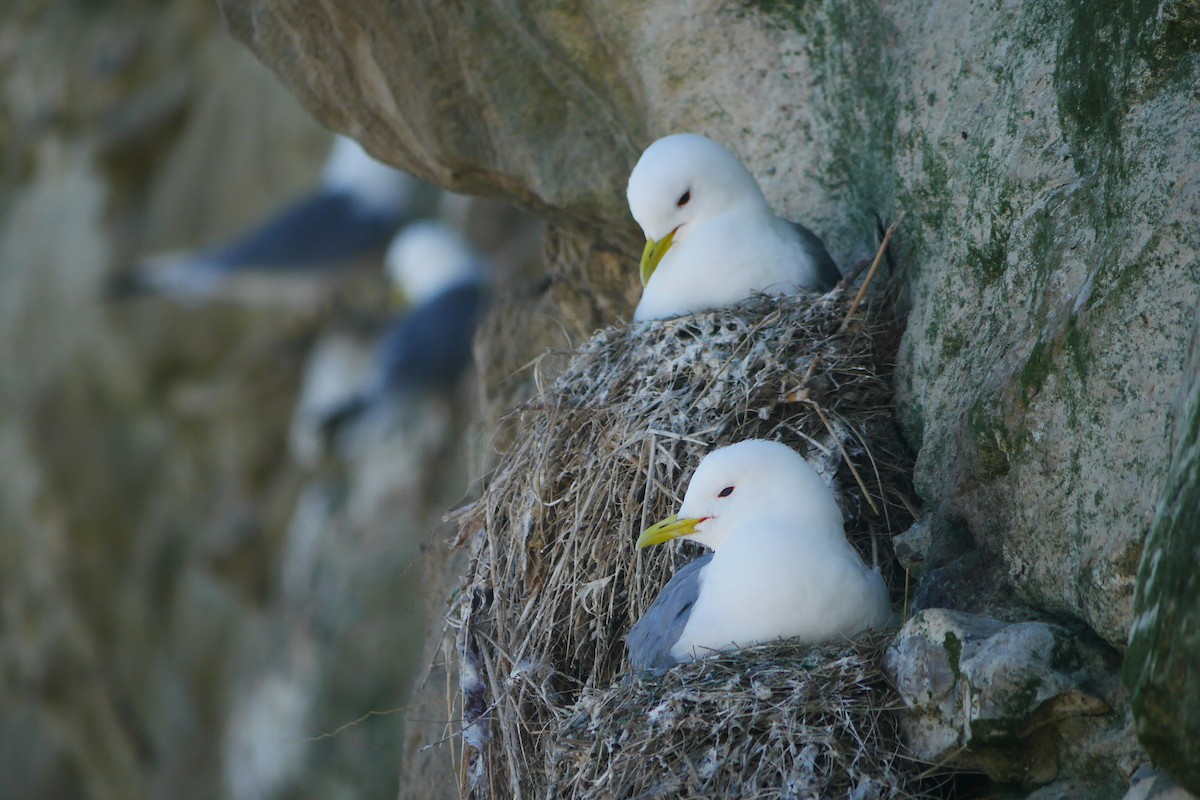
{"x":650,"y":641}
{"x":827,"y":271}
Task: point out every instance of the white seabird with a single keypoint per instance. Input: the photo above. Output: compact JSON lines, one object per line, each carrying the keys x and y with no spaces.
{"x":350,"y":216}
{"x":444,"y":281}
{"x":711,"y":238}
{"x":781,"y":566}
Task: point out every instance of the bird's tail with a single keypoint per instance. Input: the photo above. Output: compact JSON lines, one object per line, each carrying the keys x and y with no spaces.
{"x":174,"y":276}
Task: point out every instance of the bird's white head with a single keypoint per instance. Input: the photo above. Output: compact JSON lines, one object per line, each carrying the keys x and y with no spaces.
{"x":680,"y":180}
{"x":427,"y":258}
{"x":372,"y":183}
{"x":751,"y":480}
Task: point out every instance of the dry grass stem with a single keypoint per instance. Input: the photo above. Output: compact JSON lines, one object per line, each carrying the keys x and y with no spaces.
{"x":862,"y":290}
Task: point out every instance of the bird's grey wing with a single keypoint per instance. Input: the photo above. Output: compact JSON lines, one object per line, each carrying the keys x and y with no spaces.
{"x":828,"y":273}
{"x":426,"y":349}
{"x":327,"y":228}
{"x":431,"y":346}
{"x":649,"y":642}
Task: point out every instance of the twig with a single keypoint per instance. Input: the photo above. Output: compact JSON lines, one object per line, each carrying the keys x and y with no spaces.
{"x":862,"y":290}
{"x":354,"y":722}
{"x":812,"y":366}
{"x":801,"y":391}
{"x":858,"y":269}
{"x":845,"y":456}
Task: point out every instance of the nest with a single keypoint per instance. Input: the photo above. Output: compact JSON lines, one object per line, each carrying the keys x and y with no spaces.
{"x":778,"y":720}
{"x":555,"y":582}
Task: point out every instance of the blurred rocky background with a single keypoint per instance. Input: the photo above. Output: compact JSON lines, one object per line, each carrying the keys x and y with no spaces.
{"x":185,"y":611}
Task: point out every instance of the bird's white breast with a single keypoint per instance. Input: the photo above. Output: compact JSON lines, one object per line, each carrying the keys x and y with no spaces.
{"x":769,"y":582}
{"x":720,"y":261}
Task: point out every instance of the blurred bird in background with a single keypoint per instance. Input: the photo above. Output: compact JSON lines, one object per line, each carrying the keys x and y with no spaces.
{"x":348,"y":219}
{"x":443,"y":282}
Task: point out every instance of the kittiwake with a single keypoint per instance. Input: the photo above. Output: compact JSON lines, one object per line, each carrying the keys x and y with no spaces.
{"x":350,"y":217}
{"x":711,"y":238}
{"x":444,"y":281}
{"x":780,"y":568}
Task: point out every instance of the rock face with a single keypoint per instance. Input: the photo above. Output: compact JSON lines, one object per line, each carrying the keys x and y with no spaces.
{"x":138,"y":502}
{"x":1164,"y":645}
{"x":1017,"y":701}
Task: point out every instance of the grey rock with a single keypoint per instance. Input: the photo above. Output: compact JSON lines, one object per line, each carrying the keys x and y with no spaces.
{"x":987,"y":695}
{"x":171,"y":626}
{"x":1164,"y":643}
{"x":1014,"y":365}
{"x":135,"y":518}
{"x":1064,"y":790}
{"x":1152,"y":784}
{"x":912,"y":547}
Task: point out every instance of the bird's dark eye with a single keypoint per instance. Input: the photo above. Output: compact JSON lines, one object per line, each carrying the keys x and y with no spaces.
{"x":684,"y":198}
{"x":728,"y":490}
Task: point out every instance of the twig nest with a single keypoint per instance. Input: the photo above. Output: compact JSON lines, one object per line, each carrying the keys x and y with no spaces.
{"x":777,"y":720}
{"x":555,"y":582}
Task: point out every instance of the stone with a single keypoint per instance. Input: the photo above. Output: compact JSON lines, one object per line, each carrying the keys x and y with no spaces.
{"x":1152,"y":784}
{"x":1050,"y":452}
{"x":1164,"y":642}
{"x":912,"y":548}
{"x":990,"y":696}
{"x":1063,"y":790}
{"x":139,"y":499}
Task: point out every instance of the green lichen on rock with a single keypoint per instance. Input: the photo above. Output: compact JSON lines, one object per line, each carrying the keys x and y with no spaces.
{"x":1036,"y":370}
{"x":953,"y":647}
{"x":789,"y":13}
{"x":1068,"y":349}
{"x":1164,"y":645}
{"x":1078,"y":349}
{"x":953,"y":343}
{"x":993,"y":444}
{"x":1094,"y":64}
{"x":1001,"y":698}
{"x":850,"y":71}
{"x":1176,"y":35}
{"x":988,"y":260}
{"x":1024,"y":694}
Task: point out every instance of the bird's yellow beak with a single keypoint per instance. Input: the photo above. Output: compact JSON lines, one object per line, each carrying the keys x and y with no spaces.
{"x":653,"y":253}
{"x":670,"y":528}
